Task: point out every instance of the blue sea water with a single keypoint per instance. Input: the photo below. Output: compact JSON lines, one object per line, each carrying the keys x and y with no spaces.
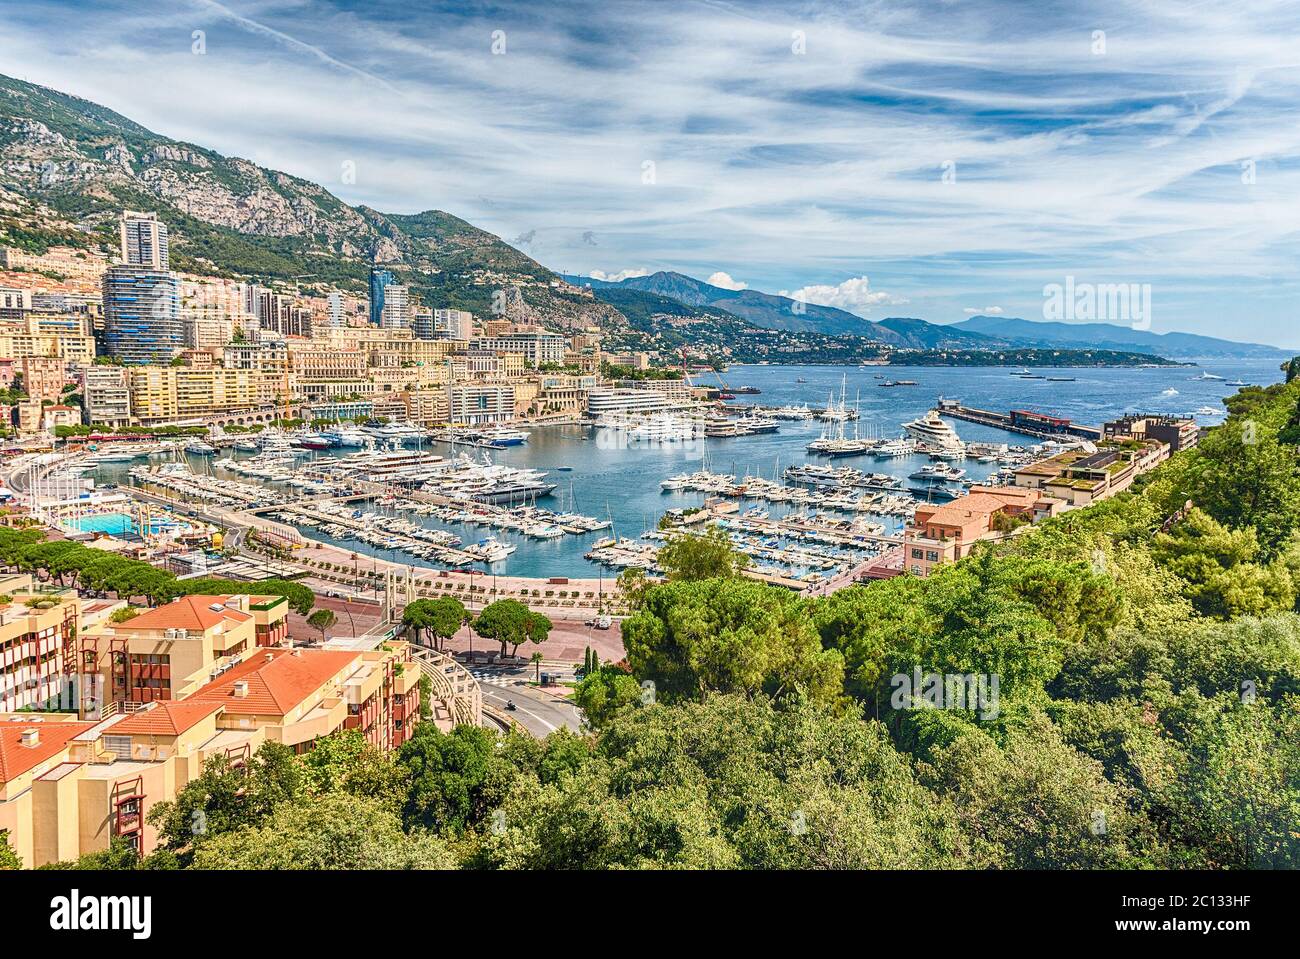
{"x":623,"y":485}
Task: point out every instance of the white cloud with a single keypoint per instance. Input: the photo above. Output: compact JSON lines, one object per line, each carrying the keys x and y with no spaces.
{"x":724,"y":281}
{"x":854,"y":295}
{"x":983,"y":311}
{"x":618,"y":277}
{"x":554,"y":136}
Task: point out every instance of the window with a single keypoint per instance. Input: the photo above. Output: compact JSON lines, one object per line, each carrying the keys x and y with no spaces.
{"x":932,"y":556}
{"x":916,"y":554}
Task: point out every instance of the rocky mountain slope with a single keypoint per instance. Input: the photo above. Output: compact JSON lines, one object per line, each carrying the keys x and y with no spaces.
{"x":230,"y":216}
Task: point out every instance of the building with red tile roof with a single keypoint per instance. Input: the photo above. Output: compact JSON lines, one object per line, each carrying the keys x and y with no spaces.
{"x":179,"y":686}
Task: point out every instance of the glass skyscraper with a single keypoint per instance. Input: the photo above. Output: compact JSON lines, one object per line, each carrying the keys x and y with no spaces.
{"x":380,"y":280}
{"x":142,"y":314}
{"x":142,"y":298}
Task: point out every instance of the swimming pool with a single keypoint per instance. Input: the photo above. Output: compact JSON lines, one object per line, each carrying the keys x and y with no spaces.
{"x":114,"y":524}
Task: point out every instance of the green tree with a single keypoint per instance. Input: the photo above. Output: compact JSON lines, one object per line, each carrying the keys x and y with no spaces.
{"x":336,"y":831}
{"x":321,"y":620}
{"x":1222,"y":570}
{"x":345,"y":762}
{"x":442,"y":618}
{"x":691,"y":638}
{"x":456,"y":779}
{"x":693,"y":556}
{"x":8,"y":858}
{"x":301,"y":599}
{"x":603,"y":692}
{"x":511,"y":623}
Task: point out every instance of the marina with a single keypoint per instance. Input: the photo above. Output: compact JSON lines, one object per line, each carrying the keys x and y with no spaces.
{"x":521,"y":494}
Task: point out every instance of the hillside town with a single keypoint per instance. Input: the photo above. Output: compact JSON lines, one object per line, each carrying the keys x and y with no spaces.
{"x":121,"y":340}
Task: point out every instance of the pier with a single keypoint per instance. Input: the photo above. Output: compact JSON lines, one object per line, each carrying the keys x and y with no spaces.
{"x":1025,"y":422}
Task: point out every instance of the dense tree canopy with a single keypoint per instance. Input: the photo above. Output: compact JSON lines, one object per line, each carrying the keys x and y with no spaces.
{"x":1146,"y":710}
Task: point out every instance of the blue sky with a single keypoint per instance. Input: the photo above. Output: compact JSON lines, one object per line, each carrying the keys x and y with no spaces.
{"x":928,"y":159}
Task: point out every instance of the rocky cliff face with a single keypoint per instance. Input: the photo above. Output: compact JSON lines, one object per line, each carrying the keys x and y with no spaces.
{"x":231,"y":215}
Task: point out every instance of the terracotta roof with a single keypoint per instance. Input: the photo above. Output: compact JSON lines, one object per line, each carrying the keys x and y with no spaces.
{"x":965,"y":508}
{"x":188,"y":612}
{"x":16,"y":759}
{"x":165,"y":718}
{"x":277,"y":686}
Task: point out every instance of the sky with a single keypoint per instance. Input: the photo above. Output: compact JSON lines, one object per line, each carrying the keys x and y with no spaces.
{"x":934,"y":159}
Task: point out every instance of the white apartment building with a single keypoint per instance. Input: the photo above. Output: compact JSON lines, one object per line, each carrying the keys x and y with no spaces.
{"x":106,"y":393}
{"x":453,"y":324}
{"x":475,"y":404}
{"x":601,"y":402}
{"x":397,"y":307}
{"x":537,"y":346}
{"x":15,"y":301}
{"x":144,"y":240}
{"x":335,"y":309}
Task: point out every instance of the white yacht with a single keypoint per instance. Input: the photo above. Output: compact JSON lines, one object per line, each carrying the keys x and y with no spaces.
{"x":655,"y":428}
{"x":493,"y":550}
{"x":500,"y":436}
{"x":793,"y":413}
{"x":932,"y":430}
{"x":891,"y":449}
{"x":939,"y":471}
{"x":348,"y":436}
{"x":402,"y":432}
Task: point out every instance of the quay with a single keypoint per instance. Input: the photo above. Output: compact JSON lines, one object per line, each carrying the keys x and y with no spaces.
{"x":1026,"y":422}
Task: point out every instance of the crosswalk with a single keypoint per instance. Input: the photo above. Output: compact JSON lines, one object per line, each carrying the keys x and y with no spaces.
{"x":496,"y":677}
{"x":493,"y":677}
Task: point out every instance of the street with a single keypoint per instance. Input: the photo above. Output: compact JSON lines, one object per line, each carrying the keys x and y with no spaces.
{"x":538,"y":711}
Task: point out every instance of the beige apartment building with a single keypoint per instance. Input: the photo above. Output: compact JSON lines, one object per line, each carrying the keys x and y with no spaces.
{"x":163,"y":393}
{"x":1079,"y":478}
{"x":54,"y":334}
{"x":35,"y":641}
{"x":43,"y":376}
{"x":384,"y":347}
{"x":62,"y":260}
{"x":70,"y":784}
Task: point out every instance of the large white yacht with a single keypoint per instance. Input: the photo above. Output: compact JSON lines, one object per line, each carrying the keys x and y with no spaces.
{"x":402,"y":432}
{"x":348,"y":436}
{"x":655,"y":428}
{"x":930,"y":429}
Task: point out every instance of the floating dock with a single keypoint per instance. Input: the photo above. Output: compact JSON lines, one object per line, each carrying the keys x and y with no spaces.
{"x":1026,"y":422}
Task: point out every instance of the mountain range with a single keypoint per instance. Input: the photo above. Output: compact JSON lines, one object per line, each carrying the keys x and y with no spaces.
{"x":69,"y":166}
{"x":1018,"y":332}
{"x":776,"y":312}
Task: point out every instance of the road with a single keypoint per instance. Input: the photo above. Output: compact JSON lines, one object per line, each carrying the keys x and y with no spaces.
{"x":539,"y":712}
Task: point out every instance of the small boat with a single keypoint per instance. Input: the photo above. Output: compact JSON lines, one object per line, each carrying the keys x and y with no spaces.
{"x":199,"y":448}
{"x":1060,"y":379}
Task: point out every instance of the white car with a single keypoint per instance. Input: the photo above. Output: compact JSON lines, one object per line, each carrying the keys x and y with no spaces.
{"x":603,"y":622}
